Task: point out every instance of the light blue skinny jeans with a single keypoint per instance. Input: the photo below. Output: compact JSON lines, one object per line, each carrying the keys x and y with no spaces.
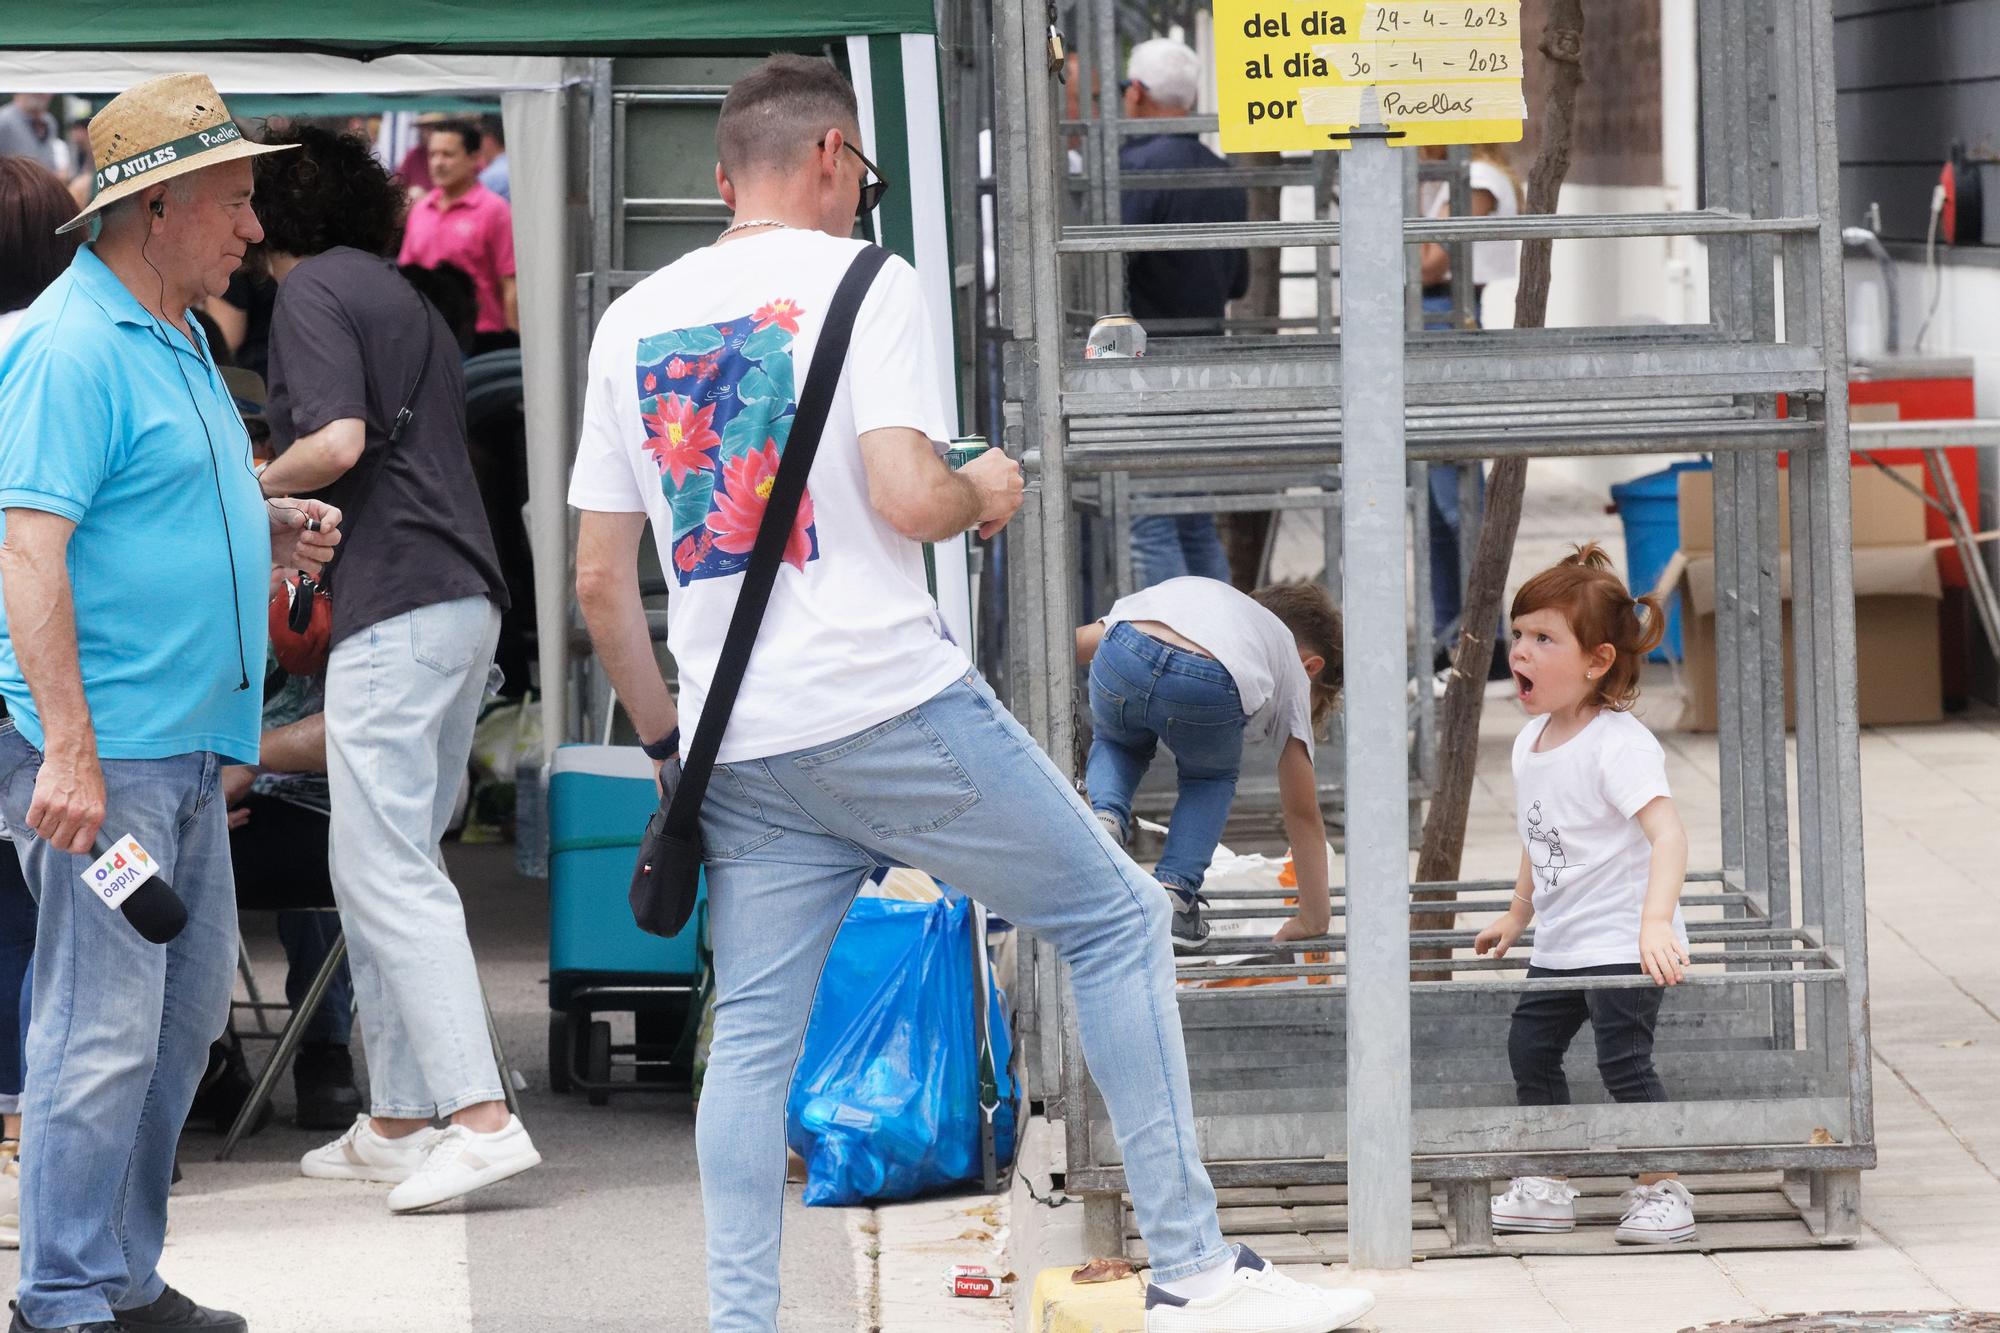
{"x":958,"y":788}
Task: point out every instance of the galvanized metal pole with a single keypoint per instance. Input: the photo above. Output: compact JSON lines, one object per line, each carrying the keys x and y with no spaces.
{"x":1375,"y":595}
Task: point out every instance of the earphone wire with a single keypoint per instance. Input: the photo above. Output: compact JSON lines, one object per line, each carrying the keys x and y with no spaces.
{"x":214,"y":463}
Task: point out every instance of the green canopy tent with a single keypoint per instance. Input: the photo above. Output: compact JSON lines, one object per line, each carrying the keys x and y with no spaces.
{"x":538,"y":59}
{"x":367,"y":29}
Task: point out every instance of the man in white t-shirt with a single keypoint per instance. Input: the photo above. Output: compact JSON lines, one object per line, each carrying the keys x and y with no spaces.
{"x":862,"y":736}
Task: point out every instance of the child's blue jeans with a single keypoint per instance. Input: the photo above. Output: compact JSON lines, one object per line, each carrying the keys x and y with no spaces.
{"x":1143,"y":692}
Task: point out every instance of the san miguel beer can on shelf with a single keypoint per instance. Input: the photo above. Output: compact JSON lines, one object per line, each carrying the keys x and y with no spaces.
{"x":1115,"y":337}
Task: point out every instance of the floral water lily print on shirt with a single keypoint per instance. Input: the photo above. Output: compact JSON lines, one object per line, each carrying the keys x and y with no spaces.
{"x":717,"y":403}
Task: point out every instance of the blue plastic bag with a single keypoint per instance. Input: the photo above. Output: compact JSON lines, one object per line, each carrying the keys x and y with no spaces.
{"x":885,"y":1101}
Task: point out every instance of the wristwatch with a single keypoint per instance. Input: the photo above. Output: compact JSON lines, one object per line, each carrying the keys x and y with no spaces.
{"x":665,"y":748}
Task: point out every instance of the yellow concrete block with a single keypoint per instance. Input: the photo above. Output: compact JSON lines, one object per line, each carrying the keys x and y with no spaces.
{"x":1063,"y":1306}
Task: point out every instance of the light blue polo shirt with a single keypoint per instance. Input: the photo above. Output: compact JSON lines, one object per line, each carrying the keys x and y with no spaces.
{"x":102,"y":410}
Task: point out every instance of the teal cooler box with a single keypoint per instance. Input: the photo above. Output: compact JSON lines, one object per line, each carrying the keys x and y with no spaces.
{"x":600,"y":797}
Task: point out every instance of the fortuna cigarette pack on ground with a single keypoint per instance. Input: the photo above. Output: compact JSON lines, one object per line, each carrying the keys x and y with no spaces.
{"x":973,"y":1280}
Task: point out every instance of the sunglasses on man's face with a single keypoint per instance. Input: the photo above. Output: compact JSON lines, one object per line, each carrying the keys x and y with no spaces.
{"x":871,"y":190}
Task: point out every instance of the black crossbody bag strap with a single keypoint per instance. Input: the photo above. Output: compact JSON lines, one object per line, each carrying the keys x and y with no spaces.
{"x":773,"y":532}
{"x":358,"y":501}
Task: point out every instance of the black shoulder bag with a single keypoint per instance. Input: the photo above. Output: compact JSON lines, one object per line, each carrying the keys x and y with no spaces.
{"x":668,"y":876}
{"x":397,"y":425}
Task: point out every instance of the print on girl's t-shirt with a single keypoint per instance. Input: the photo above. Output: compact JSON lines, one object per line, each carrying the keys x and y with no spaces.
{"x":717,"y":403}
{"x":1545,"y":851}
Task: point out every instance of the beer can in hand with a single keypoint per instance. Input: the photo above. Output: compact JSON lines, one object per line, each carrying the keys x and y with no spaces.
{"x":1115,"y":337}
{"x":963,"y":450}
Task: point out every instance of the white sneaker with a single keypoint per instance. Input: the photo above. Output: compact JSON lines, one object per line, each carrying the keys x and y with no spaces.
{"x":1657,"y":1215}
{"x":1258,"y":1299}
{"x":10,"y":1197}
{"x":362,"y":1154}
{"x":463,"y":1160}
{"x":1535,"y":1203}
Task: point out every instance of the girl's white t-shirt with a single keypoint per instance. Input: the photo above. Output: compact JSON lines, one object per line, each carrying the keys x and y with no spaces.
{"x":694,"y":381}
{"x":1576,"y":806}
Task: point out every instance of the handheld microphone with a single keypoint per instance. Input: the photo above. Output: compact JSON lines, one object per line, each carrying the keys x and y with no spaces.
{"x":153,"y":908}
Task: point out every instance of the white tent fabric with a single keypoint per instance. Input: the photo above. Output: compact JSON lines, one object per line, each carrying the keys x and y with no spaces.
{"x":532,"y":107}
{"x":537,"y":153}
{"x":918,"y":162}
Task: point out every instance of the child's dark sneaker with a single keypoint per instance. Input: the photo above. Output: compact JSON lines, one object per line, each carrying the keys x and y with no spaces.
{"x":1190,"y":931}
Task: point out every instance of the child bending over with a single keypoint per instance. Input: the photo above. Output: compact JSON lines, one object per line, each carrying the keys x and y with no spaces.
{"x":1602,"y":861}
{"x":1197,"y":664}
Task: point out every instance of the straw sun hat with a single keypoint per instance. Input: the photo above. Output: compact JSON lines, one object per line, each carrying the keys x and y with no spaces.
{"x":157,"y":130}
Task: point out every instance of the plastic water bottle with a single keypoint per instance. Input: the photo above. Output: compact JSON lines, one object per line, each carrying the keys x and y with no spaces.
{"x":531,"y":820}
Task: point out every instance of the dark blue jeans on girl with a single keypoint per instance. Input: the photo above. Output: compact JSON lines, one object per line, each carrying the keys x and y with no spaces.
{"x":1144,"y":692}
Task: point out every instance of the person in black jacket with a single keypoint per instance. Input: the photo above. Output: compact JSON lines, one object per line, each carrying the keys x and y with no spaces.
{"x":1184,"y":292}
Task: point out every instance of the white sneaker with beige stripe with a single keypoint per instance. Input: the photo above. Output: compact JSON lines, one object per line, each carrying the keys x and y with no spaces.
{"x":362,"y":1154}
{"x":463,"y":1160}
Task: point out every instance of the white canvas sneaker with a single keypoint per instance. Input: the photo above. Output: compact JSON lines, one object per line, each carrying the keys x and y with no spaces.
{"x":1258,"y":1299}
{"x":1535,"y":1203}
{"x":362,"y":1154}
{"x":1657,"y":1215}
{"x":463,"y":1160}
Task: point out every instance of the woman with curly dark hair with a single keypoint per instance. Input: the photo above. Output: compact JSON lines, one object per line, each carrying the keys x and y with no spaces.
{"x":367,"y":407}
{"x":33,"y":203}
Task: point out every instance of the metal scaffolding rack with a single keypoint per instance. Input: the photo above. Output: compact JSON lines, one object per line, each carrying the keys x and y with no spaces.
{"x":1766,"y":1052}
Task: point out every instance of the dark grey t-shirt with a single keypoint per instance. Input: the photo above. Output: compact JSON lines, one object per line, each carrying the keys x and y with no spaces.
{"x":347,"y":337}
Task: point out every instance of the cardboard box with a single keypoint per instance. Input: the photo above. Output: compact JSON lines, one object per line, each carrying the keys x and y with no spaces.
{"x":1896,"y":595}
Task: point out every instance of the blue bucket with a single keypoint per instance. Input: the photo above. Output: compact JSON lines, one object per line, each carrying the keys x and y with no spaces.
{"x":1650,"y":507}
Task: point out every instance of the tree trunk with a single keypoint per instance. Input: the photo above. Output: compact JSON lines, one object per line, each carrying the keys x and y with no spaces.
{"x":1465,"y":695}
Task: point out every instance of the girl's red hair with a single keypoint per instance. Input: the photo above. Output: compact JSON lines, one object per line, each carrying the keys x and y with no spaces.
{"x":1599,"y":609}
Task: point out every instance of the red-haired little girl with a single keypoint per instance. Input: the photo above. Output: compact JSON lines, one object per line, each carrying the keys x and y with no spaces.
{"x":1603,"y":856}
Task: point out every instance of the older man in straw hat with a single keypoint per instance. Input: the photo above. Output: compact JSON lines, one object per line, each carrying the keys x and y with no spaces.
{"x":135,"y":569}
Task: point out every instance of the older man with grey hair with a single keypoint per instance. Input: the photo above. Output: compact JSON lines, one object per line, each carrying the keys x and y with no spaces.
{"x":1182,"y":292}
{"x":137,"y":560}
{"x":28,"y":130}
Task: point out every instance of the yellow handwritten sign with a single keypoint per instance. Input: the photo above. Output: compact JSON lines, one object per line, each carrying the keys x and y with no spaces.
{"x":1300,"y":73}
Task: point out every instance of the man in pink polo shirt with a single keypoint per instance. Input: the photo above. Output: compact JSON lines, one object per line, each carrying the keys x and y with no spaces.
{"x":464,"y":224}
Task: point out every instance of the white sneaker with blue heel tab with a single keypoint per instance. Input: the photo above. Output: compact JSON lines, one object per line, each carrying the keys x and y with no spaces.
{"x":1257,"y":1298}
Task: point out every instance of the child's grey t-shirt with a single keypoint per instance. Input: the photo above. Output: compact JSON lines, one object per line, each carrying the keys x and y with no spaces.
{"x":1254,"y":647}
